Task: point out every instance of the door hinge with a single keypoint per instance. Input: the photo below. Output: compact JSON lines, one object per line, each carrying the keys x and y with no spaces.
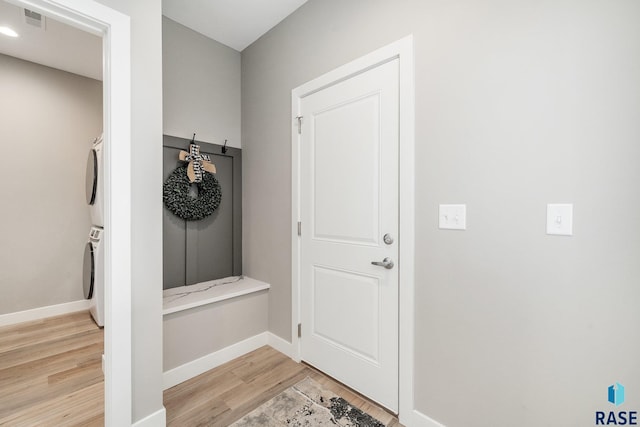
{"x":299,"y":119}
{"x":299,"y":228}
{"x":299,"y":330}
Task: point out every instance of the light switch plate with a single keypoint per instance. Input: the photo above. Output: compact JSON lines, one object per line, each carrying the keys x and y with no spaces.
{"x":453,"y":217}
{"x":560,"y":219}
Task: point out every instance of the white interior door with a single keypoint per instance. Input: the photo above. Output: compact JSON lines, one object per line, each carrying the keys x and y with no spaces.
{"x":348,"y":204}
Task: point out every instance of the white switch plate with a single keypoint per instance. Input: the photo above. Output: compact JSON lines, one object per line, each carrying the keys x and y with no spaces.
{"x":560,"y":219}
{"x":453,"y":217}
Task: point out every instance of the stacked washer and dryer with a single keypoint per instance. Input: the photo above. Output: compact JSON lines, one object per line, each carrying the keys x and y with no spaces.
{"x":93,"y":270}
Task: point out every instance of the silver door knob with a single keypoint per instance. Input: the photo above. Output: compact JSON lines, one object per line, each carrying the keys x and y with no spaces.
{"x":386,"y":263}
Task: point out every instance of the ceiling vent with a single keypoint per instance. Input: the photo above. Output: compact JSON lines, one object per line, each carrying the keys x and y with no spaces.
{"x":34,"y":19}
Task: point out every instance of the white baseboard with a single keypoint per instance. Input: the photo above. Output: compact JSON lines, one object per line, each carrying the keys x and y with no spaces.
{"x":418,"y":419}
{"x":192,"y":369}
{"x":43,"y":312}
{"x":157,"y":419}
{"x":283,"y":346}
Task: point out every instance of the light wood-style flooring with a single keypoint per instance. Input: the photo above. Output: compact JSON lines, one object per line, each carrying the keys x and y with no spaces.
{"x":223,"y":395}
{"x":51,"y":373}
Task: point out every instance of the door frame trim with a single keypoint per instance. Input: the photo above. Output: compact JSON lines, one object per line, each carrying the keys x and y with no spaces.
{"x":114,"y":28}
{"x":403,"y":51}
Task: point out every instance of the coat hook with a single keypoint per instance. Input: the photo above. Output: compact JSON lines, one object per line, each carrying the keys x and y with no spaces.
{"x":193,"y":140}
{"x":224,"y":147}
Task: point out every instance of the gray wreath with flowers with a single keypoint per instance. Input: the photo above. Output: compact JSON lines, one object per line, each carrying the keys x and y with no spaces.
{"x":178,"y":200}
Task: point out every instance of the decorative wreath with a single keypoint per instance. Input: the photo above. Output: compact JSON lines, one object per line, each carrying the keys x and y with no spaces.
{"x":178,"y":200}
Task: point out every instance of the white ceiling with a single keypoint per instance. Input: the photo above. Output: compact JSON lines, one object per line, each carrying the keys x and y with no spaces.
{"x":235,"y":23}
{"x":57,"y":45}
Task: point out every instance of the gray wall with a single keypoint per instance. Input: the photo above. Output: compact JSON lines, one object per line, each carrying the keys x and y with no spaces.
{"x":197,"y":332}
{"x":146,"y":201}
{"x":210,"y":248}
{"x":201,"y":86}
{"x":49,"y":120}
{"x":518,"y":104}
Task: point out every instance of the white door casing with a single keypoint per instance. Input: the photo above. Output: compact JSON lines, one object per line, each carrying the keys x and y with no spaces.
{"x":402,"y":50}
{"x":349,"y":201}
{"x":114,"y":28}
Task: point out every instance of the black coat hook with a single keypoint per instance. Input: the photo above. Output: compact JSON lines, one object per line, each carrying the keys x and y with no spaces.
{"x":193,"y":140}
{"x":224,"y":147}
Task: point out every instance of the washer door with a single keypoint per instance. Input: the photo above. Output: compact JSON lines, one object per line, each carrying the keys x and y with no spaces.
{"x":88,"y":272}
{"x":91,"y":184}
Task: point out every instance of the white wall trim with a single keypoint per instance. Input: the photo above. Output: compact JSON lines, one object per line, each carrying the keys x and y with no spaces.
{"x":419,"y":419}
{"x":114,"y":28}
{"x":43,"y":312}
{"x":407,"y":224}
{"x":283,"y":346}
{"x":157,"y":419}
{"x":196,"y":367}
{"x":403,"y":50}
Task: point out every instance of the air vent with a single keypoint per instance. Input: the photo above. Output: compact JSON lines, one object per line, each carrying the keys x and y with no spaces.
{"x":34,"y":19}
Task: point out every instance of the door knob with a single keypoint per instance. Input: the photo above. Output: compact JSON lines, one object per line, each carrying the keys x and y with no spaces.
{"x":386,"y":263}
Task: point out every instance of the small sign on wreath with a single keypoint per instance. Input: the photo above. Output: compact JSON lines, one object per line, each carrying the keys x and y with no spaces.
{"x":176,"y":188}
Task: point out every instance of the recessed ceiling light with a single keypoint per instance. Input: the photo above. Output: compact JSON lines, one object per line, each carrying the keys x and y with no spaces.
{"x":8,"y":32}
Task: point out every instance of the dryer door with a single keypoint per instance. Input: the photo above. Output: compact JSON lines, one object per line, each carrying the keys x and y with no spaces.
{"x":88,"y":274}
{"x":91,"y":184}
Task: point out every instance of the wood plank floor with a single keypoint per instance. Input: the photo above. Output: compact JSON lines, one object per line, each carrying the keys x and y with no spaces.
{"x":223,"y":395}
{"x":50,"y":375}
{"x":51,"y":372}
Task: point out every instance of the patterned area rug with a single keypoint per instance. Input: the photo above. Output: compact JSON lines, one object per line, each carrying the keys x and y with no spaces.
{"x":307,"y":404}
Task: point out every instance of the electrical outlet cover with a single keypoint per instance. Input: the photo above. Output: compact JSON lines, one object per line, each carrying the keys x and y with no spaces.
{"x":560,"y":219}
{"x":453,"y":217}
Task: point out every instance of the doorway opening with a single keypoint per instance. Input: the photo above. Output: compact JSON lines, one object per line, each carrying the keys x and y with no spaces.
{"x":314,"y":282}
{"x":114,"y":29}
